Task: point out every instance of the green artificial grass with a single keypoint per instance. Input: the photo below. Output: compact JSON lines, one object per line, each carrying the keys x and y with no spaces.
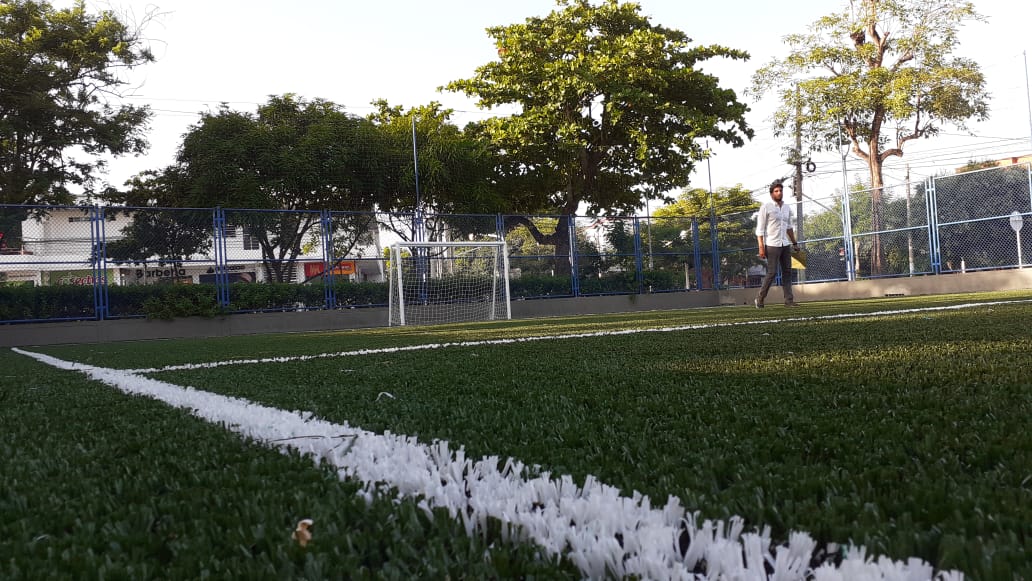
{"x":98,"y":485}
{"x":904,"y":433}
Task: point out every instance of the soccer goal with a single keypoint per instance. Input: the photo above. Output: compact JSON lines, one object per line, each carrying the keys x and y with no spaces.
{"x":448,"y":282}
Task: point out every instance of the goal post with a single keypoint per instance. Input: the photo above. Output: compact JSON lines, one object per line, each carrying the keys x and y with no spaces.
{"x":448,"y":282}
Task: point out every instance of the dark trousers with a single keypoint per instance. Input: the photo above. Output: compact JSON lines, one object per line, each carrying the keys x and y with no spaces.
{"x":778,"y":256}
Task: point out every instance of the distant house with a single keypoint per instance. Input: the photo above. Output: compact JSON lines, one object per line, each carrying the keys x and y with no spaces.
{"x":1016,"y":160}
{"x":58,"y":249}
{"x":1003,"y":162}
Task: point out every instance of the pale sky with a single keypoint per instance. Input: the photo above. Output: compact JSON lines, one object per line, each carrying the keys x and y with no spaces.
{"x":350,"y":52}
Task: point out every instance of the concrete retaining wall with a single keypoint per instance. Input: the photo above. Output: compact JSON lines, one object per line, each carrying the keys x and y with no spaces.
{"x":245,"y":324}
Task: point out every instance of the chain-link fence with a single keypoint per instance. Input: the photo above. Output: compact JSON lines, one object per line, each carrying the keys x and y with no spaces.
{"x":974,"y":211}
{"x":93,"y":262}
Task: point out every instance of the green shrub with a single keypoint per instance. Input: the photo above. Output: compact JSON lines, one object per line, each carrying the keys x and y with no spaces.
{"x":540,"y":285}
{"x":46,"y":302}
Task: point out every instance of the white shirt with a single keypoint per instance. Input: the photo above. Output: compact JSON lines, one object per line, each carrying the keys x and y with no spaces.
{"x":773,"y":223}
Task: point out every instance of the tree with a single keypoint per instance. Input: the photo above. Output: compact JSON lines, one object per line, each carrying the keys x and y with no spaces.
{"x":158,"y":231}
{"x":455,"y":169}
{"x":291,"y":156}
{"x":612,"y":110}
{"x":883,"y":72}
{"x":60,"y":71}
{"x":734,"y":208}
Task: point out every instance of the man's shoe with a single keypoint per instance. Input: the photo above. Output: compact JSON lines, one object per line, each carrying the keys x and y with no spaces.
{"x":758,"y":303}
{"x":791,"y":304}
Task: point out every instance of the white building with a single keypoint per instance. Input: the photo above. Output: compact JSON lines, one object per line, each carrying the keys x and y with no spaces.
{"x":58,"y":249}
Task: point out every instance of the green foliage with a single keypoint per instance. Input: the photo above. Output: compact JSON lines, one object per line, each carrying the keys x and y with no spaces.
{"x":540,"y":285}
{"x":455,"y":166}
{"x":612,"y":110}
{"x":671,"y":227}
{"x":181,"y":300}
{"x":60,"y":70}
{"x":46,"y":302}
{"x":879,"y":66}
{"x":884,"y":73}
{"x":289,"y":156}
{"x":170,"y":301}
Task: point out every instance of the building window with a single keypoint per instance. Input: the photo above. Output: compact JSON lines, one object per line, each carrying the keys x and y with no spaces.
{"x":78,"y":218}
{"x":250,"y":240}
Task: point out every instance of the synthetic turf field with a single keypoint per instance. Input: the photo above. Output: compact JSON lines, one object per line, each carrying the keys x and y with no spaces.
{"x":902,"y":431}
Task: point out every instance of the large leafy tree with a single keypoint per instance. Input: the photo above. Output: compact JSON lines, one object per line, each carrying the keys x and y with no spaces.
{"x":456,"y":169}
{"x":158,"y":231}
{"x":288,"y":158}
{"x":613,"y":109}
{"x":59,"y":108}
{"x":885,"y":73}
{"x":670,"y":226}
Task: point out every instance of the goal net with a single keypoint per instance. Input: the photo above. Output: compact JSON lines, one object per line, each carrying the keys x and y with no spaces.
{"x":448,"y":282}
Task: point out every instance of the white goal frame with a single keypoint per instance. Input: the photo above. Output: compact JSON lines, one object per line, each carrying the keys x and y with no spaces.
{"x":414,"y":280}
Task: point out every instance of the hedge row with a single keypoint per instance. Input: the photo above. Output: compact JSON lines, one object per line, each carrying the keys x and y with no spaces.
{"x":168,"y":301}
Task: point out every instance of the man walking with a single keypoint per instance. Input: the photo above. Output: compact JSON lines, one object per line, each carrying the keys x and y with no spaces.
{"x":775,"y":235}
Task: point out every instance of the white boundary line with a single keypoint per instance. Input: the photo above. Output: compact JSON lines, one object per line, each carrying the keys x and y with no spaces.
{"x":580,"y":522}
{"x":426,"y":346}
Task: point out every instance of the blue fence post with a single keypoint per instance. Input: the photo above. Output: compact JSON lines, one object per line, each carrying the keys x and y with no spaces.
{"x":847,"y":232}
{"x":329,"y":259}
{"x":571,"y":222}
{"x":99,"y":263}
{"x":931,"y":206}
{"x":697,"y":253}
{"x":639,"y":267}
{"x":220,"y":267}
{"x":715,"y":243}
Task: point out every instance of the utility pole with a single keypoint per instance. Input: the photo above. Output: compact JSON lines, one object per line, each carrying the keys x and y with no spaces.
{"x":714,"y":239}
{"x":910,"y":233}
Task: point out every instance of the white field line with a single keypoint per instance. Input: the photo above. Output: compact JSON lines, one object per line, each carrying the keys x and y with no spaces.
{"x":426,"y":346}
{"x":579,"y":522}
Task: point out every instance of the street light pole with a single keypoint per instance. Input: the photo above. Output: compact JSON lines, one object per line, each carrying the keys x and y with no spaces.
{"x":418,"y":234}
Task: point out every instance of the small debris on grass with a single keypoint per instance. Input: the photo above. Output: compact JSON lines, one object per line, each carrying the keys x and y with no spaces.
{"x":382,"y":394}
{"x":302,"y":534}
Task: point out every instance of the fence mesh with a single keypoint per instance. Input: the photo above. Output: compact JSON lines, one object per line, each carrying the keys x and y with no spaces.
{"x":82,"y":262}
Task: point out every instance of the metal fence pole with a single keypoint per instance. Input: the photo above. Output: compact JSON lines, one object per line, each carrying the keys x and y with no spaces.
{"x":933,"y":226}
{"x":329,"y":259}
{"x":99,"y":263}
{"x":571,"y":222}
{"x":638,"y":262}
{"x":220,"y":267}
{"x":715,"y":244}
{"x":697,"y":253}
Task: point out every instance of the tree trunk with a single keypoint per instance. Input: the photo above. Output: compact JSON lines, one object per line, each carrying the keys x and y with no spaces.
{"x":877,"y":185}
{"x":563,"y":252}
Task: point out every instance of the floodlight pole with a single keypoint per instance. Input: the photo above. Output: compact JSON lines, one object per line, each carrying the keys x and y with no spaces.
{"x":714,"y":241}
{"x":847,"y":219}
{"x":418,"y":216}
